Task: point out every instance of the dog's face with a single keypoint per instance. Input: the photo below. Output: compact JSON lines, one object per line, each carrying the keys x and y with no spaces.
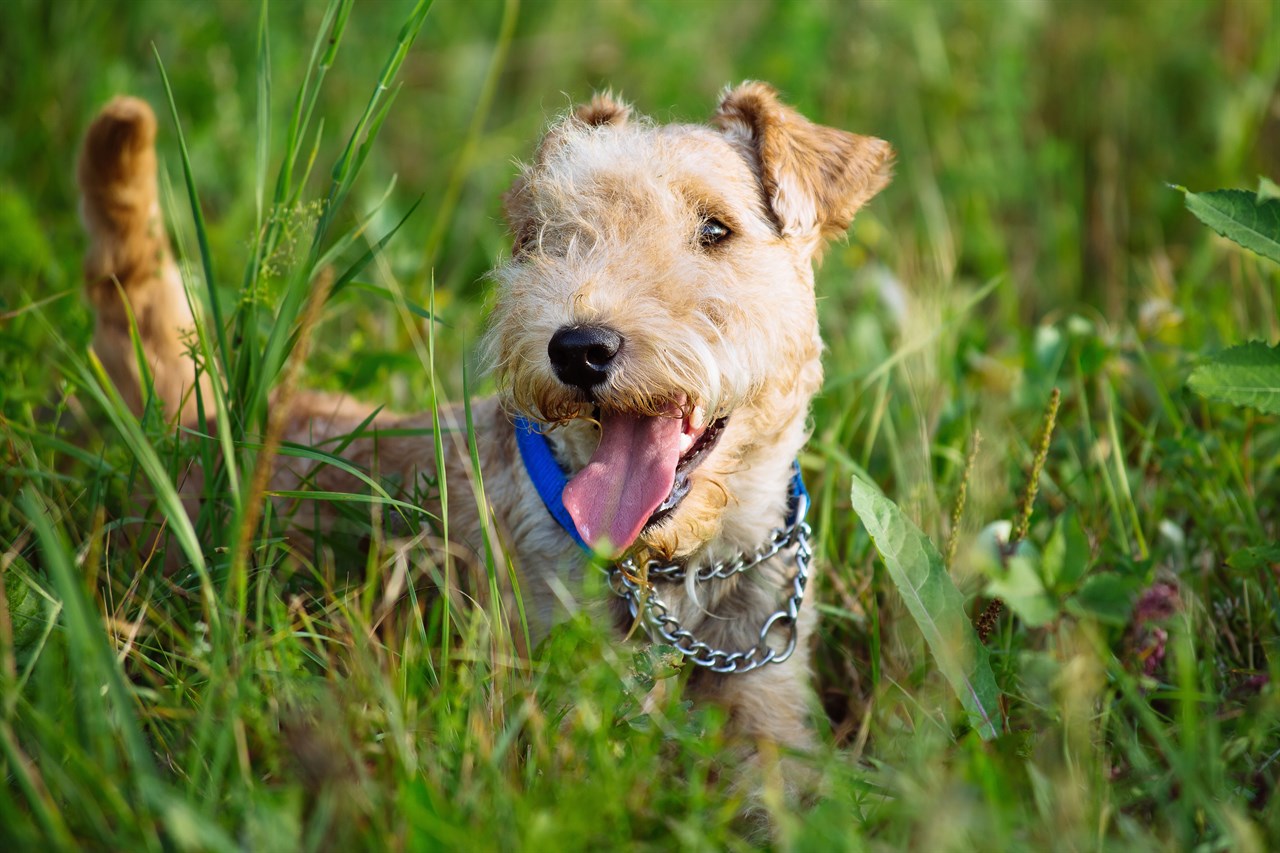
{"x":659,"y":302}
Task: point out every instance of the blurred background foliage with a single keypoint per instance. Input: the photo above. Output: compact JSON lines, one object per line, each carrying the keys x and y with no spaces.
{"x":1029,"y":241}
{"x":1035,"y":139}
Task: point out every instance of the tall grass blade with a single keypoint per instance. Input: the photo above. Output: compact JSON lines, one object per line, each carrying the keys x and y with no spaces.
{"x":328,"y":37}
{"x":263,"y":147}
{"x":197,"y":213}
{"x":21,"y":769}
{"x":442,"y":486}
{"x":211,"y":354}
{"x":283,"y":335}
{"x":462,"y":165}
{"x":98,"y":674}
{"x":363,"y":261}
{"x":97,"y":384}
{"x":345,"y":170}
{"x":491,"y":553}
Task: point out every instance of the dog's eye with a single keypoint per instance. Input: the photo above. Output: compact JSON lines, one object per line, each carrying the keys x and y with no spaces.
{"x":712,"y":232}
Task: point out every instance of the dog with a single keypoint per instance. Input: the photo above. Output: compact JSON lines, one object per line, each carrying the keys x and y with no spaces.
{"x":654,"y":339}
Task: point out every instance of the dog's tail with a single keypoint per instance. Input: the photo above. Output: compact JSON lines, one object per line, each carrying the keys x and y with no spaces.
{"x":129,"y":256}
{"x":119,"y":201}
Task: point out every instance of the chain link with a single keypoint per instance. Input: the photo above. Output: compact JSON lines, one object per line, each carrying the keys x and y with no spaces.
{"x":643,"y":601}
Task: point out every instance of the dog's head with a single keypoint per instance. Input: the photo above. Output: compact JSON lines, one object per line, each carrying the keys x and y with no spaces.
{"x":659,"y":302}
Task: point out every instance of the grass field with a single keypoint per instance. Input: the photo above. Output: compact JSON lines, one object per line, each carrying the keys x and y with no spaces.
{"x":1031,"y":241}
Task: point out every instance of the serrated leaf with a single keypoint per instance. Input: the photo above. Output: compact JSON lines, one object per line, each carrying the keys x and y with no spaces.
{"x":1247,"y":375}
{"x":935,"y":604}
{"x":1106,"y":596}
{"x":1241,"y":217}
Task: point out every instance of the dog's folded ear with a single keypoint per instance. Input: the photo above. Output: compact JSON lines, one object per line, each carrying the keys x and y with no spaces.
{"x":603,"y":108}
{"x":815,"y":177}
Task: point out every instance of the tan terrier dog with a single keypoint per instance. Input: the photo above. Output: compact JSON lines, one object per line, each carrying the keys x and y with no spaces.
{"x":656,"y":342}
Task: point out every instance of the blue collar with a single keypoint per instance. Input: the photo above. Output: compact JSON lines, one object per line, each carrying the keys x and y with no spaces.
{"x":550,"y":479}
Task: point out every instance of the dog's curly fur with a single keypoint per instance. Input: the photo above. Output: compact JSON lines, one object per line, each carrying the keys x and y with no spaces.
{"x":605,"y":223}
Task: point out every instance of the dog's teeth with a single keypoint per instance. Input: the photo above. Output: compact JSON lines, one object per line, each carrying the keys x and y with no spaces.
{"x":698,"y":420}
{"x":686,"y":442}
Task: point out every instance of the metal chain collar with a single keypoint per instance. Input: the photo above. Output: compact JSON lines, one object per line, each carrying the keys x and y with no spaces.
{"x":628,"y":582}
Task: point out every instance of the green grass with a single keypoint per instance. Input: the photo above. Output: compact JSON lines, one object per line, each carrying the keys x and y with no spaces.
{"x":259,"y":699}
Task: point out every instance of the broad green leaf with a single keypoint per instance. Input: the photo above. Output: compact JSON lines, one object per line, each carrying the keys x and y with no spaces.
{"x":1239,"y":216}
{"x":1066,"y":556}
{"x":1256,"y":557}
{"x":1247,"y":375}
{"x":1024,"y":592}
{"x":1105,"y":596}
{"x":935,"y":604}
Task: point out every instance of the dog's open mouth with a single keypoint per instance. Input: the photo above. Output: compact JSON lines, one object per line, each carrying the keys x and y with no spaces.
{"x":638,"y":474}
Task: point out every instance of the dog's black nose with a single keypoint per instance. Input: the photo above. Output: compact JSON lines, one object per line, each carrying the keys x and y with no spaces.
{"x":582,"y":355}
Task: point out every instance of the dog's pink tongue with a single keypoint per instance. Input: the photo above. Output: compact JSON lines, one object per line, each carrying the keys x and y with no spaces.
{"x":629,"y":475}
